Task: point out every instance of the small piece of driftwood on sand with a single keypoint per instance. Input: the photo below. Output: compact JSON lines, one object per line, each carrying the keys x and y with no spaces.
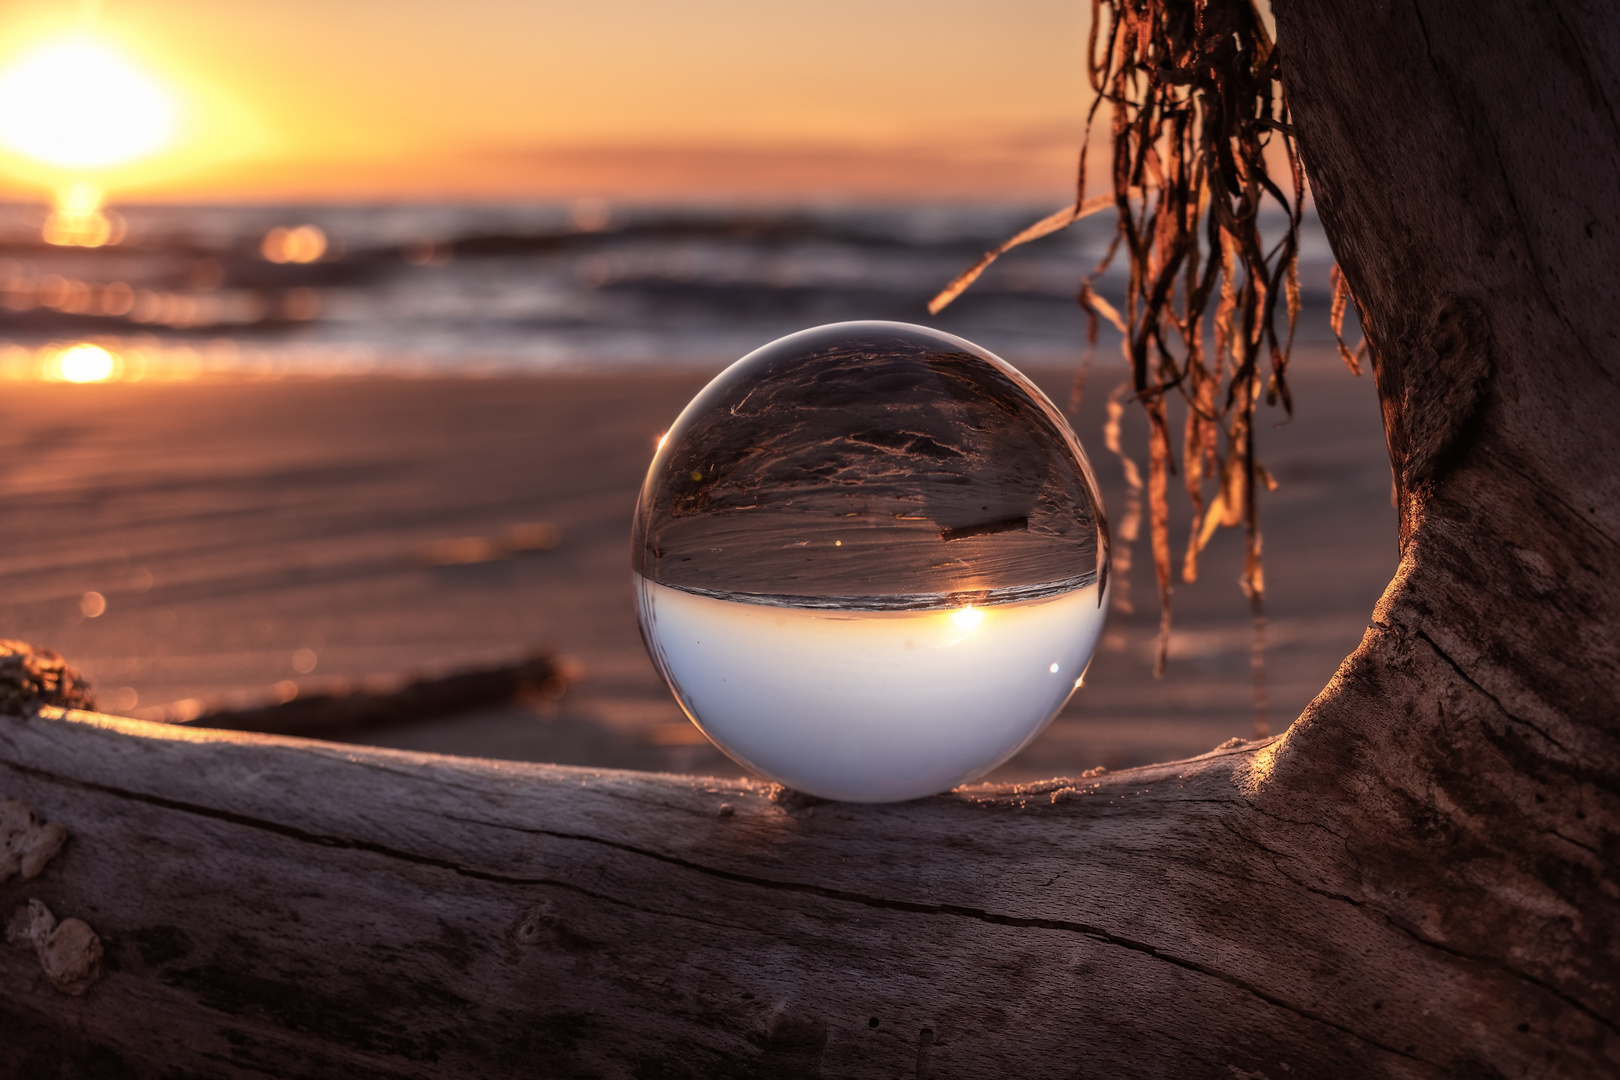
{"x":343,"y":711}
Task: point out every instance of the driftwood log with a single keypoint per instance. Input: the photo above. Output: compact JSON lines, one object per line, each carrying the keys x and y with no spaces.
{"x":1417,"y":880}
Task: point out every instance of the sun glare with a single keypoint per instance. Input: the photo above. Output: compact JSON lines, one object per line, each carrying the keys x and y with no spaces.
{"x":77,"y":104}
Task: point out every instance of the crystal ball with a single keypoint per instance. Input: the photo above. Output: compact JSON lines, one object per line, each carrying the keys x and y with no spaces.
{"x":871,"y":561}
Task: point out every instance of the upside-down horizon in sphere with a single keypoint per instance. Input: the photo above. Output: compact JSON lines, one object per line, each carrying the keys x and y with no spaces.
{"x":871,"y":561}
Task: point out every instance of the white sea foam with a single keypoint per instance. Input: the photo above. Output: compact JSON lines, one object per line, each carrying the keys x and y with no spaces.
{"x":870,"y":706}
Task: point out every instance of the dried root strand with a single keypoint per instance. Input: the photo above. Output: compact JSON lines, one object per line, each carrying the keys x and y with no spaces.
{"x":1196,"y":104}
{"x":1051,"y":223}
{"x":1197,"y":107}
{"x":1341,"y":296}
{"x":1130,"y":524}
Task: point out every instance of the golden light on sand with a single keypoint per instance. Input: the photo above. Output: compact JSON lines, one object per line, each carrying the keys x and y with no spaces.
{"x":83,"y":363}
{"x":77,"y":104}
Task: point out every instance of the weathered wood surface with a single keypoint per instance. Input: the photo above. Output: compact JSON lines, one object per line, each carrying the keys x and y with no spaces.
{"x":289,"y":908}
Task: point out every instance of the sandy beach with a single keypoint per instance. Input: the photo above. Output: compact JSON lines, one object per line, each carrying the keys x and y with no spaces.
{"x":238,"y":530}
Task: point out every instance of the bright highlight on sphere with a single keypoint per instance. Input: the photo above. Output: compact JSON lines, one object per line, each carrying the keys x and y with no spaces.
{"x":967,"y":618}
{"x":78,"y":104}
{"x":870,"y":561}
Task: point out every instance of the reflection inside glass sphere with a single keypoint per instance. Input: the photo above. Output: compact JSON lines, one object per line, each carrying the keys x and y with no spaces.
{"x":870,"y":561}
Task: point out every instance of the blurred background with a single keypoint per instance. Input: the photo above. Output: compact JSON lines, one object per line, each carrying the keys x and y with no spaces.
{"x":334,"y":340}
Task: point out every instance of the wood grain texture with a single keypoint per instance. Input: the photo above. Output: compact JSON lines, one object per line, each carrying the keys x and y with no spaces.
{"x":280,"y":907}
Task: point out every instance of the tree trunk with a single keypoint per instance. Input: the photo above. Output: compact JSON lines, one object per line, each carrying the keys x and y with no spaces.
{"x":1417,"y":880}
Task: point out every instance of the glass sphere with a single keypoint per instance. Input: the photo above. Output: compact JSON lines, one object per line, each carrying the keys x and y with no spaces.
{"x":871,"y":561}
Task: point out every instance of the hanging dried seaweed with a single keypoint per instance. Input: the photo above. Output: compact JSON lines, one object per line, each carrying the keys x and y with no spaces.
{"x":1197,"y":107}
{"x":1341,"y":298}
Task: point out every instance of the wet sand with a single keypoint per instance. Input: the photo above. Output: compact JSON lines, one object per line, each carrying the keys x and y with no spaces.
{"x":237,"y":529}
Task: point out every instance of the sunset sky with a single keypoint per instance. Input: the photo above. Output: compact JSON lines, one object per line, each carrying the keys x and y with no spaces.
{"x":319,"y":99}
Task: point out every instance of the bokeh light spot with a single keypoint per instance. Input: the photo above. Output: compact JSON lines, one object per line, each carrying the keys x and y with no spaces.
{"x":84,"y":363}
{"x":303,"y":244}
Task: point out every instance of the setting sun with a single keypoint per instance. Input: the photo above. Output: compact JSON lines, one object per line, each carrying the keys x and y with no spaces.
{"x":77,"y":104}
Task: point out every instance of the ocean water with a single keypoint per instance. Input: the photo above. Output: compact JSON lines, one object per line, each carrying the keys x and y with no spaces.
{"x":418,"y":288}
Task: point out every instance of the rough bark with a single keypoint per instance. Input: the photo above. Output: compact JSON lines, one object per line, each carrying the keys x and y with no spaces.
{"x":1417,"y":880}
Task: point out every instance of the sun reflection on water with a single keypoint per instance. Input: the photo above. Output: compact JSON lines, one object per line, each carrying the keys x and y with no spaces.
{"x":85,"y":363}
{"x":144,"y":357}
{"x":79,"y":220}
